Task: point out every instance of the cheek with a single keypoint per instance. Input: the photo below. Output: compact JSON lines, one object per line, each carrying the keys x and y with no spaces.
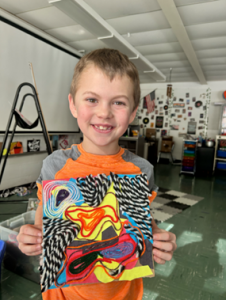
{"x":83,"y":117}
{"x":123,"y":117}
{"x":83,"y":113}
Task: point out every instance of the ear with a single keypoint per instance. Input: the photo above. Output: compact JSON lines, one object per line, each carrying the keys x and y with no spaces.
{"x":133,"y":115}
{"x":72,"y":106}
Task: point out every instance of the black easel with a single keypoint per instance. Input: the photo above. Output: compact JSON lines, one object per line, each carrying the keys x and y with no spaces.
{"x":20,"y":122}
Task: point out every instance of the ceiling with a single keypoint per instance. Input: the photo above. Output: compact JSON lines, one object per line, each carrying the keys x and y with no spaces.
{"x":188,"y":36}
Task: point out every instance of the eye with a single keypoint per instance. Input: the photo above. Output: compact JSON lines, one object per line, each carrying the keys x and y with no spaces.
{"x":91,"y":100}
{"x":119,"y":103}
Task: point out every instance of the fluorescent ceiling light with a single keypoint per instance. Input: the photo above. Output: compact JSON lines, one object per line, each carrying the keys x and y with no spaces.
{"x":82,"y":15}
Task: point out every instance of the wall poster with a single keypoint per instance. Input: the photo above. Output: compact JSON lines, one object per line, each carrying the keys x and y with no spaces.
{"x":159,"y":122}
{"x":191,"y":128}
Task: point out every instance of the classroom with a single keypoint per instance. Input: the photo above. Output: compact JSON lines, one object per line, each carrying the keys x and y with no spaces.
{"x":179,"y":50}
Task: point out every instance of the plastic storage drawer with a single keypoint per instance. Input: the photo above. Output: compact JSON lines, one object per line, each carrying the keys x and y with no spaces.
{"x":221,"y":165}
{"x":190,"y":143}
{"x":187,"y":168}
{"x":189,"y":152}
{"x":221,"y":153}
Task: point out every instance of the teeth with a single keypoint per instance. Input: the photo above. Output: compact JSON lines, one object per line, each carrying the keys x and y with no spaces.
{"x":102,"y":127}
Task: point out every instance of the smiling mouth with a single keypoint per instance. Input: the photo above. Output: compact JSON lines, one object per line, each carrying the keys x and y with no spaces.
{"x":103,"y":127}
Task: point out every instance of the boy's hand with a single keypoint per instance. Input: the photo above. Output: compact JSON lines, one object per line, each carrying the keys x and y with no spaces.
{"x":30,"y":239}
{"x":164,"y":243}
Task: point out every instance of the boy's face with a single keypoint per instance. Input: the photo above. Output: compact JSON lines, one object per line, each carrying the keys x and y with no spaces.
{"x":103,"y":109}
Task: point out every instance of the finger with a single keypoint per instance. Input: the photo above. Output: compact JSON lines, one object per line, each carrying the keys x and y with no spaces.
{"x":166,"y":246}
{"x":30,"y":249}
{"x":28,"y":239}
{"x":164,"y":236}
{"x":167,"y":256}
{"x":159,"y":260}
{"x":31,"y":230}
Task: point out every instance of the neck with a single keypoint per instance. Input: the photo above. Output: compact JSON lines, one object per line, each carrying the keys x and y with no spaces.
{"x":112,"y":150}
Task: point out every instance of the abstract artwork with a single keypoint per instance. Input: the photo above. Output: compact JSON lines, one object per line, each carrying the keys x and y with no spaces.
{"x":16,"y":148}
{"x":96,"y":229}
{"x":33,"y":145}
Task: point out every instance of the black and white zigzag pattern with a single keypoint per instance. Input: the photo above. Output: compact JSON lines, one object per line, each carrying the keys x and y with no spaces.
{"x":58,"y":234}
{"x":132,"y":194}
{"x":93,"y":189}
{"x":117,"y":271}
{"x":139,"y":237}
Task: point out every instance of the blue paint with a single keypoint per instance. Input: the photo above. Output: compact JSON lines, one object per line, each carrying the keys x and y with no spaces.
{"x":118,"y":251}
{"x":135,"y":225}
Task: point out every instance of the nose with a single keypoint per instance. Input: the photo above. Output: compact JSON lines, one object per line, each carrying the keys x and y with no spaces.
{"x":104,"y":111}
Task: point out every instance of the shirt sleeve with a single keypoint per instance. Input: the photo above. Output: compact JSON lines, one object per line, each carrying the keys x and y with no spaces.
{"x":47,"y":173}
{"x":151,"y":183}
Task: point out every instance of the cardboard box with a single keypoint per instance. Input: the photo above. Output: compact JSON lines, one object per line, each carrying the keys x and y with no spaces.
{"x":167,"y":138}
{"x":166,"y":146}
{"x":151,"y":133}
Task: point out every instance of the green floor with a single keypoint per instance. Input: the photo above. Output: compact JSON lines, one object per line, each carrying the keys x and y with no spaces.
{"x":198,"y":269}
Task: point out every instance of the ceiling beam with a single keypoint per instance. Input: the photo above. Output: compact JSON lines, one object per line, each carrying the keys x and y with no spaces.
{"x":171,"y":13}
{"x":82,"y":13}
{"x":6,"y":15}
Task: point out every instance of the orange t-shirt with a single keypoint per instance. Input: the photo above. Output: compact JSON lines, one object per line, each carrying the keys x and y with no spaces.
{"x":73,"y":163}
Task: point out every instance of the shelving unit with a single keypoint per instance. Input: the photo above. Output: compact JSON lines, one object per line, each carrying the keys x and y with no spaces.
{"x":27,"y":153}
{"x":133,"y":144}
{"x":189,"y":157}
{"x":216,"y":158}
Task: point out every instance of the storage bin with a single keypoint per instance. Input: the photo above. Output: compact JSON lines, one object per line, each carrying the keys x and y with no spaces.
{"x":221,"y":153}
{"x":189,"y":157}
{"x":221,"y":165}
{"x":14,"y":260}
{"x":2,"y":252}
{"x":190,"y":144}
{"x":25,"y":218}
{"x":189,"y":152}
{"x":6,"y":227}
{"x":187,"y":169}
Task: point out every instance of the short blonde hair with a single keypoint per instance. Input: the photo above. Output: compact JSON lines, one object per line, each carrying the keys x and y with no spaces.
{"x":112,"y":62}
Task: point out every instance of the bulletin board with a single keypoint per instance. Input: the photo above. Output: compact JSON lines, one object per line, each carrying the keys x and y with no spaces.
{"x":184,"y":106}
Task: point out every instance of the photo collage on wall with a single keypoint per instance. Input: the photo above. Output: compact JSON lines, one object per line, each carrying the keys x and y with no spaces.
{"x":183,"y":113}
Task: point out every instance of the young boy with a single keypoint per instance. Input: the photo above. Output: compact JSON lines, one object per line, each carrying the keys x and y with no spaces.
{"x":104,"y":97}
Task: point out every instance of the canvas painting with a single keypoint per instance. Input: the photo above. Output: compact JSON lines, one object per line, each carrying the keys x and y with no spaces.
{"x":96,"y":229}
{"x":16,"y":148}
{"x":33,"y":145}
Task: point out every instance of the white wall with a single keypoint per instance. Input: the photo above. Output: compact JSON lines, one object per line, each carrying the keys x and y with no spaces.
{"x":26,"y":169}
{"x":195,"y":89}
{"x":53,"y":70}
